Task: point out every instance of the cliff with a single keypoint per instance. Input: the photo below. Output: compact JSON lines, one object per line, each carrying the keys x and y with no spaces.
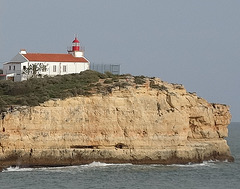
{"x":150,"y":122}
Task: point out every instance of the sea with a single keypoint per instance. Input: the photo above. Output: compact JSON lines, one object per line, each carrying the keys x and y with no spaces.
{"x":209,"y":174}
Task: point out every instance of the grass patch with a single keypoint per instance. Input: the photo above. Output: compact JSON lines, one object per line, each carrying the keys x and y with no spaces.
{"x":38,"y":90}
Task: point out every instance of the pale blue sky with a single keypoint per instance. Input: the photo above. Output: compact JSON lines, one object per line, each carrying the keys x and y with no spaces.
{"x":192,"y":42}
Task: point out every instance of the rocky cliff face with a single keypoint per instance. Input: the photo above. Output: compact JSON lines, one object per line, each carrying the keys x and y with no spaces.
{"x":155,"y":122}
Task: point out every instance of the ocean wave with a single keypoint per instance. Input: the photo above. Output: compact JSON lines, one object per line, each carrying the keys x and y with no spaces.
{"x":17,"y":169}
{"x":94,"y":164}
{"x":203,"y":164}
{"x":63,"y":168}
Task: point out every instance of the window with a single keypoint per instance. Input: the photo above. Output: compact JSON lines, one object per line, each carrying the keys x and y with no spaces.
{"x":13,"y":67}
{"x":64,"y":68}
{"x":9,"y":67}
{"x":44,"y":69}
{"x":54,"y":68}
{"x":24,"y":67}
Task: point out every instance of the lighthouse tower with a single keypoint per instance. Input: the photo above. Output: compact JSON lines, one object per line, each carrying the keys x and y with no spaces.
{"x":76,"y":50}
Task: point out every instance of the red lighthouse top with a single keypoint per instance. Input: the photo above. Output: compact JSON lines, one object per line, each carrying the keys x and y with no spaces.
{"x":76,"y":40}
{"x":75,"y":45}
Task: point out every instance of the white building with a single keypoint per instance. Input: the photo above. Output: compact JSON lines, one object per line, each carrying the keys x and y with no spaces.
{"x":26,"y":65}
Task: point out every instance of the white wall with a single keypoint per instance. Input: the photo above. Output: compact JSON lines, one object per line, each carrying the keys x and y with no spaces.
{"x":70,"y":68}
{"x":24,"y":76}
{"x":12,"y":69}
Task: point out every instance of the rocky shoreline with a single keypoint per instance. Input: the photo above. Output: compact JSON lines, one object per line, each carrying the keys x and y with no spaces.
{"x":150,"y":123}
{"x":54,"y":161}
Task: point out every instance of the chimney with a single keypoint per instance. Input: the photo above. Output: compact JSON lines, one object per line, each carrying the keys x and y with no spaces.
{"x":23,"y":51}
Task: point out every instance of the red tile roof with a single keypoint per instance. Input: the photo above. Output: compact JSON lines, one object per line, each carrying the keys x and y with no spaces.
{"x":53,"y":57}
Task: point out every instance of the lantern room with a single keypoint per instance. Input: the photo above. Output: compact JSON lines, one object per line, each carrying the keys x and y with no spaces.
{"x":75,"y":45}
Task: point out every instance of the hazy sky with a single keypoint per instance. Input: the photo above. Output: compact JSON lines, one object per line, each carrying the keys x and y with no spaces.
{"x":192,"y":42}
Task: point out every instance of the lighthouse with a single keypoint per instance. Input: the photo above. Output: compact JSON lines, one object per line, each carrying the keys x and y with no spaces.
{"x":76,"y":50}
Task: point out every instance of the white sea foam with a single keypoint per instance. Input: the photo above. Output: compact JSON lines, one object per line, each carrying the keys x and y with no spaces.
{"x":17,"y":169}
{"x":63,"y":168}
{"x":203,"y":164}
{"x":94,"y":164}
{"x":99,"y":164}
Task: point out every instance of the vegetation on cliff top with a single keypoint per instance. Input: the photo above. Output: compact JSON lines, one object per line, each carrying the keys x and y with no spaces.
{"x":38,"y":90}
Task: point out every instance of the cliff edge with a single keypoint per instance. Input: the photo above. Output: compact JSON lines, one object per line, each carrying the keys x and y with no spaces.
{"x":148,"y":121}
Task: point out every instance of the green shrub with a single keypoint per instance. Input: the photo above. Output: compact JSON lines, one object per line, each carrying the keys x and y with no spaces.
{"x":98,"y":85}
{"x":139,"y":80}
{"x":22,"y":101}
{"x":159,"y":87}
{"x":121,"y":84}
{"x":109,"y":74}
{"x":38,"y":90}
{"x":108,"y":81}
{"x":115,"y":79}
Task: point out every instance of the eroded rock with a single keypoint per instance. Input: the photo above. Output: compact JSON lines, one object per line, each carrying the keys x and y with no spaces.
{"x":136,"y":124}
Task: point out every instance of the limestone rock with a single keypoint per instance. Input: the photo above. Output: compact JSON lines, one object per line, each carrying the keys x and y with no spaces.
{"x":156,"y":122}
